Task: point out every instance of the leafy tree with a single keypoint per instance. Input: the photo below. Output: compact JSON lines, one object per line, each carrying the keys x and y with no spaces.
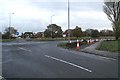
{"x":112,"y":10}
{"x":11,"y":30}
{"x":95,"y":33}
{"x":8,"y":32}
{"x":47,"y":33}
{"x":88,"y":32}
{"x":106,"y":33}
{"x":39,"y":34}
{"x":53,"y":30}
{"x":77,"y":32}
{"x":0,"y":35}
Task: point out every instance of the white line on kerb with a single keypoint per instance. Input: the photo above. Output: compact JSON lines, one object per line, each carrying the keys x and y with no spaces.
{"x":25,"y":49}
{"x":68,"y":63}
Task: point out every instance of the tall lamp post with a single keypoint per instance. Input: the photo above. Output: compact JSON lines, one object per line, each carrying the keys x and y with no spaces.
{"x":69,"y":21}
{"x":10,"y":25}
{"x":51,"y":27}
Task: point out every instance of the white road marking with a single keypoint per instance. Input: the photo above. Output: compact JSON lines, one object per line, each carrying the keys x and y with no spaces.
{"x":107,"y":58}
{"x":7,"y":61}
{"x":72,"y":64}
{"x":1,"y":77}
{"x":24,"y":49}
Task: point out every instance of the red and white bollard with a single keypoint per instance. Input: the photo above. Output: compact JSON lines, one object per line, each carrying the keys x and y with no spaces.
{"x":88,"y":41}
{"x":91,"y":42}
{"x":78,"y":45}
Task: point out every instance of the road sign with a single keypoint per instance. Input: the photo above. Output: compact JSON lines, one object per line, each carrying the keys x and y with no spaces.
{"x":17,"y":33}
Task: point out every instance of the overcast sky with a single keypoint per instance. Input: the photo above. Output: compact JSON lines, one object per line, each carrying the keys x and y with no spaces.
{"x":35,"y":15}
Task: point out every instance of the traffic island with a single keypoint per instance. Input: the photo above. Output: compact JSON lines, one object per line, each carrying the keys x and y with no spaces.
{"x":75,"y":45}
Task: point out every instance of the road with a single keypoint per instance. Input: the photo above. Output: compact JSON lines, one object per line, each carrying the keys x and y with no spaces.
{"x":46,"y":60}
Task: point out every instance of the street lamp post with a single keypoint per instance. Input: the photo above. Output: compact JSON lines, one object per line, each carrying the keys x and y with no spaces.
{"x":51,"y":26}
{"x":68,"y":21}
{"x":10,"y":25}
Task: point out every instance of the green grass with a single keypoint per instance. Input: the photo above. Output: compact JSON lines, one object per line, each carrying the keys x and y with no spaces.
{"x":63,"y":45}
{"x":0,"y":40}
{"x":6,"y":40}
{"x":58,"y":39}
{"x":109,"y":46}
{"x":72,"y":45}
{"x":107,"y":37}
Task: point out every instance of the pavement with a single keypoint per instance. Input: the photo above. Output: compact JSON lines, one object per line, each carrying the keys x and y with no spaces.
{"x":92,"y":50}
{"x":45,"y":60}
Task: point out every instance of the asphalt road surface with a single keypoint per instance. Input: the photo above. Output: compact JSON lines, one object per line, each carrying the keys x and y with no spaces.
{"x":46,"y":60}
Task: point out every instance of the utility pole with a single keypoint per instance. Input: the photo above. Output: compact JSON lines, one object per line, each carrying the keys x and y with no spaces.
{"x":51,"y":27}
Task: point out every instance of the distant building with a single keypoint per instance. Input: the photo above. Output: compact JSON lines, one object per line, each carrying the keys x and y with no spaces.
{"x":65,"y":34}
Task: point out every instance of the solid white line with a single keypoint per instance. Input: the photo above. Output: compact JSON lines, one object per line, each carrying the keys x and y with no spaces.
{"x":25,"y":49}
{"x":68,"y":63}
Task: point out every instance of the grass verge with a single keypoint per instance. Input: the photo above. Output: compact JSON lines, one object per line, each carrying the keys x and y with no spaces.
{"x":6,"y":40}
{"x":0,"y":40}
{"x":58,"y":39}
{"x":63,"y":45}
{"x":112,"y":46}
{"x":73,"y":45}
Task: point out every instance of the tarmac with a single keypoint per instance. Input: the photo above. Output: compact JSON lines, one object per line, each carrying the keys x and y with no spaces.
{"x":92,"y":50}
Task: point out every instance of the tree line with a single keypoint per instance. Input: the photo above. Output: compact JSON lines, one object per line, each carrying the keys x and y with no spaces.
{"x":55,"y":31}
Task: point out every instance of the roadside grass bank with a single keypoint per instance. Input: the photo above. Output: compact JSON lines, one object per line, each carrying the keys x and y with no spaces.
{"x":110,"y":45}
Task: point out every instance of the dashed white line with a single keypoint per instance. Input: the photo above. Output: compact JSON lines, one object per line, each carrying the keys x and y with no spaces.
{"x":1,"y":77}
{"x":24,"y":49}
{"x":7,"y":61}
{"x":72,"y":64}
{"x":107,"y":58}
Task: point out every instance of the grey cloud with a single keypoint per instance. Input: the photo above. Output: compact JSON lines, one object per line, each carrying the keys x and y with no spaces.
{"x":74,"y":6}
{"x":55,"y":8}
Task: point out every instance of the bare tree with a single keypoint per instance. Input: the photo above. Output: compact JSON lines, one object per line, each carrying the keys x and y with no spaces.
{"x":112,"y":9}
